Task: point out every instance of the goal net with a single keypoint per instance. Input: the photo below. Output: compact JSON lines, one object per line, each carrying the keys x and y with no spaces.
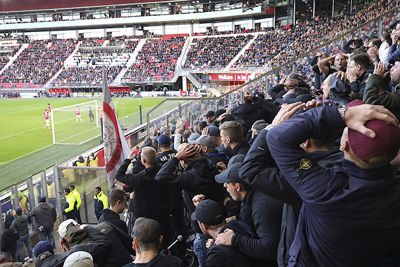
{"x":75,"y":124}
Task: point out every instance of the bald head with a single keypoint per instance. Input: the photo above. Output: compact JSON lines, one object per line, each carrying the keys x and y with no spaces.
{"x":148,"y":156}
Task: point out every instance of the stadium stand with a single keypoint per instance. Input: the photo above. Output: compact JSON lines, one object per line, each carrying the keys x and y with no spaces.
{"x":264,"y":174}
{"x":39,"y":62}
{"x":214,"y":52}
{"x":157,"y":59}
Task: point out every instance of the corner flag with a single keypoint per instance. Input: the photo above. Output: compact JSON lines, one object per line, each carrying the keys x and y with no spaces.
{"x":116,"y":149}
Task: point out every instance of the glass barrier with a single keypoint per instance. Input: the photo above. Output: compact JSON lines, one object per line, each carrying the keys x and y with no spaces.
{"x":85,"y":180}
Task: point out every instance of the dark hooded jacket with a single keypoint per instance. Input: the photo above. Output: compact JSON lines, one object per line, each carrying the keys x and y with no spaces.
{"x":259,"y":170}
{"x":224,"y":256}
{"x":248,"y":112}
{"x":197,"y":178}
{"x":45,"y":214}
{"x":9,"y":240}
{"x":90,"y":240}
{"x":120,"y":237}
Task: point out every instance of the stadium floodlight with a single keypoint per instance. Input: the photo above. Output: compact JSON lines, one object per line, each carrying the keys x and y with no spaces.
{"x":75,"y":124}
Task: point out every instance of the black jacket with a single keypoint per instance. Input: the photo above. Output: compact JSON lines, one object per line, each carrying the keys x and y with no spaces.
{"x":248,"y":112}
{"x":197,"y":178}
{"x":263,"y":214}
{"x":151,"y":198}
{"x":121,"y":233}
{"x":9,"y":240}
{"x":241,"y":148}
{"x":277,"y":91}
{"x":45,"y":214}
{"x":217,"y":156}
{"x":358,"y":86}
{"x":97,"y":244}
{"x":165,"y":156}
{"x":224,"y":256}
{"x":260,"y":171}
{"x":159,"y":261}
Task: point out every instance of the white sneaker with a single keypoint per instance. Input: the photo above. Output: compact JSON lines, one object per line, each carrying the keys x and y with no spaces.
{"x":30,"y":260}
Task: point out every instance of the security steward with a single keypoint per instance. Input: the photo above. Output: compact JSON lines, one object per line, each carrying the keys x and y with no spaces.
{"x":69,"y":206}
{"x":100,"y":202}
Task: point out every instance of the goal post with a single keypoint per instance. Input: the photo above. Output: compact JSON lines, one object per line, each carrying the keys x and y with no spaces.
{"x":75,"y":124}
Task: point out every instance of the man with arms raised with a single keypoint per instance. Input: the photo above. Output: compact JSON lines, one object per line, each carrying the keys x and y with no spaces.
{"x":351,"y":213}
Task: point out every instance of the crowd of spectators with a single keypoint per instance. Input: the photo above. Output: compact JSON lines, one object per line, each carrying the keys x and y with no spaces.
{"x":214,"y":52}
{"x":39,"y":61}
{"x":301,"y":174}
{"x":86,"y":67}
{"x":10,"y":94}
{"x":86,"y":76}
{"x":92,"y":42}
{"x":157,"y":60}
{"x":7,"y":53}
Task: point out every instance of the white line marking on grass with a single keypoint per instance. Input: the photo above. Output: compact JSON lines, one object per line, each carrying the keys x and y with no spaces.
{"x":21,"y":111}
{"x":2,"y":163}
{"x":69,"y":137}
{"x":30,"y":130}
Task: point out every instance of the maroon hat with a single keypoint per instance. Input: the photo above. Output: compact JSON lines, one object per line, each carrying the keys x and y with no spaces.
{"x":386,"y":141}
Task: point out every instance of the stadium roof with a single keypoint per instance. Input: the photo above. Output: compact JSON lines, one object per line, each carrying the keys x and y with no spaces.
{"x":34,"y":5}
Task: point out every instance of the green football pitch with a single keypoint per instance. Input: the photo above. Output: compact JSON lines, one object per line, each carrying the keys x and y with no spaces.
{"x":26,"y":147}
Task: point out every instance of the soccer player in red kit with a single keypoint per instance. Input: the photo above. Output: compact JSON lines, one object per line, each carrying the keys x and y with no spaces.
{"x":46,"y":117}
{"x":78,"y":115}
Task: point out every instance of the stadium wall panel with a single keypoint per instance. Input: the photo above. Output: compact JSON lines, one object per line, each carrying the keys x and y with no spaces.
{"x":24,"y":5}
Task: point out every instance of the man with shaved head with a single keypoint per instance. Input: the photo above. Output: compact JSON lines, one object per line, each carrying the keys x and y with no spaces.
{"x":151,"y":199}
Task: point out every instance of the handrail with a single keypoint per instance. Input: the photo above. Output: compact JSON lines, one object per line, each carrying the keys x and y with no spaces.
{"x":303,"y":55}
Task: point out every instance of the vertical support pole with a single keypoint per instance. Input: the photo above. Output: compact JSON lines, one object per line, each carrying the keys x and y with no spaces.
{"x":313,"y":9}
{"x":123,"y":114}
{"x":43,"y":183}
{"x":52,"y":126}
{"x":58,"y":193}
{"x":31,"y":198}
{"x":351,"y":6}
{"x":380,"y":28}
{"x":140,"y":111}
{"x":294,"y":12}
{"x":168,"y":129}
{"x":97,"y":114}
{"x":333,"y":8}
{"x":85,"y":200}
{"x":14,"y":192}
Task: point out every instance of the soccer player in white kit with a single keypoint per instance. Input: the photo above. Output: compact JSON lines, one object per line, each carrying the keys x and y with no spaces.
{"x":78,"y":115}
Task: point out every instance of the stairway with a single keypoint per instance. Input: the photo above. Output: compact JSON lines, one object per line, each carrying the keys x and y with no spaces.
{"x":236,"y":58}
{"x":132,"y":59}
{"x":14,"y":57}
{"x":66,"y":64}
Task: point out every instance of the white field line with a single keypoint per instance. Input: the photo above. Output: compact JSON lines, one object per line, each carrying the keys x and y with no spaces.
{"x":69,"y":137}
{"x":2,"y":163}
{"x":27,"y":131}
{"x":21,"y":111}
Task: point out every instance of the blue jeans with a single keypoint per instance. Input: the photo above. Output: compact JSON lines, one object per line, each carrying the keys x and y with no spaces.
{"x":24,"y":239}
{"x":200,"y":249}
{"x":47,"y":235}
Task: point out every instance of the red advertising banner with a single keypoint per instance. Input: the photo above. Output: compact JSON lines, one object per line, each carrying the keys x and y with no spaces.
{"x":120,"y":89}
{"x":230,"y":77}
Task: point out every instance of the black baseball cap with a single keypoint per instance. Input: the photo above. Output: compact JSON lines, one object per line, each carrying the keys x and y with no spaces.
{"x":209,"y":212}
{"x":231,"y":174}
